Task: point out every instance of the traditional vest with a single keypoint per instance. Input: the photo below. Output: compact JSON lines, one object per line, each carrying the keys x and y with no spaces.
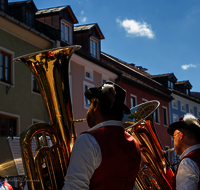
{"x":120,"y":159}
{"x":193,"y":155}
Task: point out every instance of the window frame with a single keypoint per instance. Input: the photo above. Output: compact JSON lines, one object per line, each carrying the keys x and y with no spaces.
{"x":2,"y":4}
{"x":94,"y":40}
{"x":192,"y":110}
{"x":135,"y":97}
{"x":176,"y":102}
{"x":173,"y":116}
{"x":165,"y":124}
{"x":69,"y":34}
{"x":170,"y":84}
{"x":184,"y":107}
{"x":12,"y":67}
{"x":89,"y":85}
{"x":11,"y":116}
{"x":158,"y":115}
{"x":144,"y":100}
{"x":88,"y":70}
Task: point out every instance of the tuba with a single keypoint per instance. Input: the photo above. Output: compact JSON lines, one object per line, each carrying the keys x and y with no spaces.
{"x":155,"y":169}
{"x":47,"y":168}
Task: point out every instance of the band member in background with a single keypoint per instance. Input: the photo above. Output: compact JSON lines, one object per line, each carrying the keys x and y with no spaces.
{"x":186,"y":134}
{"x":105,"y":156}
{"x":4,"y":185}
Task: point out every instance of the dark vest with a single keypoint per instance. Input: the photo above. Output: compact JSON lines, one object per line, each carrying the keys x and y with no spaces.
{"x":120,"y":159}
{"x":193,"y":155}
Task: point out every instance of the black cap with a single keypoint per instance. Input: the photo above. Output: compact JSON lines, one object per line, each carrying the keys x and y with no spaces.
{"x":98,"y":92}
{"x":187,"y":121}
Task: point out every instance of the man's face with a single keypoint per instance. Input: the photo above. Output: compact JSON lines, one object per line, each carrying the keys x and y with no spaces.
{"x":177,"y":142}
{"x":90,"y":116}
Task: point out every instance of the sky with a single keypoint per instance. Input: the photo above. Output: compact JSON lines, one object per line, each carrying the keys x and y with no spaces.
{"x":162,"y":36}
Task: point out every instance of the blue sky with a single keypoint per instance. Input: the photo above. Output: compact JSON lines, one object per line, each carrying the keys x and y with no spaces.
{"x":160,"y":35}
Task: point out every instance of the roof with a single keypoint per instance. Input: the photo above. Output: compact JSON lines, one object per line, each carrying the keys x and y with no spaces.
{"x":50,"y":10}
{"x":11,"y":19}
{"x":58,"y":9}
{"x":139,"y":77}
{"x":164,"y":75}
{"x":89,"y":27}
{"x":20,"y":3}
{"x":187,"y":82}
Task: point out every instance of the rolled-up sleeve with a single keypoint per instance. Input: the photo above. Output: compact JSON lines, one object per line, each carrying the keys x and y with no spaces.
{"x":187,"y":175}
{"x":85,"y":158}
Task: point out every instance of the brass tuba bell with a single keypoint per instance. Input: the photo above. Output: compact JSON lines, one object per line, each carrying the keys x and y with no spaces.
{"x":47,"y":169}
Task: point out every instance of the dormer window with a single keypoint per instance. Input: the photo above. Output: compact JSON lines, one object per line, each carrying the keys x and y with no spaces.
{"x":187,"y":91}
{"x":28,"y":17}
{"x":170,"y":84}
{"x":94,"y":48}
{"x":2,"y":5}
{"x":66,"y":31}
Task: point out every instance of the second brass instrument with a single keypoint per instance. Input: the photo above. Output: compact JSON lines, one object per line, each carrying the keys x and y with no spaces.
{"x":155,"y":172}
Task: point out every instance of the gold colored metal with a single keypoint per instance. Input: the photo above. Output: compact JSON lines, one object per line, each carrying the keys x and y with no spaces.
{"x":47,"y":169}
{"x":169,"y":150}
{"x":155,"y":171}
{"x":79,"y":120}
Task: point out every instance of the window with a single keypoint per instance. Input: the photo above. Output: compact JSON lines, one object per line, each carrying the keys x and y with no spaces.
{"x":35,"y":85}
{"x":144,"y":100}
{"x":174,"y":104}
{"x":156,"y":116}
{"x":66,"y":31}
{"x":170,"y":84}
{"x":89,"y":74}
{"x":2,"y":5}
{"x":198,"y":113}
{"x":191,"y":110}
{"x":165,"y":116}
{"x":94,"y":48}
{"x":187,"y":91}
{"x":133,"y":101}
{"x":182,"y":107}
{"x":86,"y":86}
{"x":8,"y":125}
{"x":175,"y":118}
{"x":5,"y":66}
{"x":29,"y":18}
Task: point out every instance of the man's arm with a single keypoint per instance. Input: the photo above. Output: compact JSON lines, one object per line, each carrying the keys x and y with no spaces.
{"x":85,"y":158}
{"x":188,"y":175}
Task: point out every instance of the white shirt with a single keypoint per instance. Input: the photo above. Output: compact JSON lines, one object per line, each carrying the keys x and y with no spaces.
{"x":85,"y":159}
{"x":188,"y":172}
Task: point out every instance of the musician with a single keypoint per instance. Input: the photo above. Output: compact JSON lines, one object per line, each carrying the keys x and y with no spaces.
{"x":186,"y":134}
{"x":4,"y":185}
{"x":105,"y":156}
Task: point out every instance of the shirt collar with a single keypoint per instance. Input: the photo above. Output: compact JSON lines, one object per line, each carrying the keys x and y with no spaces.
{"x":190,"y":149}
{"x":107,"y":123}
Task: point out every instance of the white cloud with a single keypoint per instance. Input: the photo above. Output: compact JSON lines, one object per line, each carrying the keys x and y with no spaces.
{"x":185,"y":67}
{"x":134,"y":28}
{"x":83,"y":19}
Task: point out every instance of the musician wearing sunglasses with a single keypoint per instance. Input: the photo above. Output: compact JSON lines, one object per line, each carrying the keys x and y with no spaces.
{"x":105,"y":156}
{"x":186,"y":135}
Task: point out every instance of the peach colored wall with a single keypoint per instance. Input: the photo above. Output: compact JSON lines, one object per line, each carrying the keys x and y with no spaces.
{"x":78,"y":76}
